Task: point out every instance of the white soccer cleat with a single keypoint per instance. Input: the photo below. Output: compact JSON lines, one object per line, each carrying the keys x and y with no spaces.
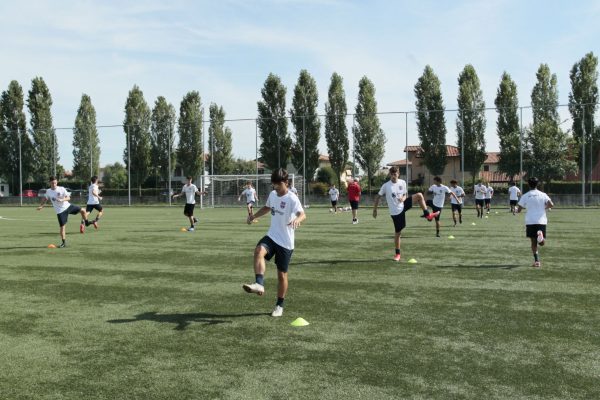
{"x":254,"y":288}
{"x":277,"y":311}
{"x":540,"y":237}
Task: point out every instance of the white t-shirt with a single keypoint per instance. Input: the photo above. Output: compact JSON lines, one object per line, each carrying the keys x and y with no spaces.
{"x":458,"y":192}
{"x":514,"y":193}
{"x":283,"y":211}
{"x":250,"y":194}
{"x":56,"y":196}
{"x":334,"y":194}
{"x":393,"y":192}
{"x":92,"y":199}
{"x":190,"y":193}
{"x":439,"y":194}
{"x":489,"y":192}
{"x":480,"y":192}
{"x":535,"y":203}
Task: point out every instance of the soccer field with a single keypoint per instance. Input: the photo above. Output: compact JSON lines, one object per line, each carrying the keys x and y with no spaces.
{"x":141,"y":310}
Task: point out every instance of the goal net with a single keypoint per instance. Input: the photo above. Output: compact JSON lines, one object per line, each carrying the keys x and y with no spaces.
{"x":224,"y":190}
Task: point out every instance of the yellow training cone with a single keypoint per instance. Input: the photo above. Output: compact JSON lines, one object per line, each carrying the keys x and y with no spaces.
{"x":412,"y":261}
{"x":473,"y":223}
{"x":51,"y":246}
{"x":450,"y":237}
{"x":486,"y":217}
{"x":299,"y":322}
{"x":183,"y":230}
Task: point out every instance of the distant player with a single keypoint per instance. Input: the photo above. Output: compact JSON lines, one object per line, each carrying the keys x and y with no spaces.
{"x":59,"y":197}
{"x":291,"y":187}
{"x":251,"y":197}
{"x":480,"y":191}
{"x":489,"y":193}
{"x":396,"y":194}
{"x":456,"y":204}
{"x":286,"y":215}
{"x":190,"y":190}
{"x":334,"y":195}
{"x":439,"y":197}
{"x":536,"y":203}
{"x":354,"y":192}
{"x":93,"y":202}
{"x":513,"y":195}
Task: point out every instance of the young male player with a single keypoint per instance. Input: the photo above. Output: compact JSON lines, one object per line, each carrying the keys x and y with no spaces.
{"x":456,"y":204}
{"x":251,"y":197}
{"x":190,"y":190}
{"x":513,"y":196}
{"x":354,"y":192}
{"x":334,"y":194}
{"x":479,"y":190}
{"x":396,"y":194}
{"x":286,"y":215}
{"x":60,"y":201}
{"x":93,"y":202}
{"x":439,"y":197}
{"x":489,"y":193}
{"x":536,"y":202}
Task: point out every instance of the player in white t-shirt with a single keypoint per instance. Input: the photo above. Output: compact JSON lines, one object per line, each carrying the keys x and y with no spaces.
{"x":479,"y":191}
{"x":93,"y":202}
{"x":190,"y":190}
{"x":457,"y":202}
{"x":536,"y":203}
{"x":59,"y":197}
{"x":439,"y":192}
{"x":396,"y":195}
{"x":513,"y":196}
{"x":334,"y":195}
{"x":489,"y":193}
{"x":286,"y":215}
{"x":251,"y":197}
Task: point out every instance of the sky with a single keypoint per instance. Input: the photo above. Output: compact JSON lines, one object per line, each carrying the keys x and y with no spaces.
{"x":226,"y":49}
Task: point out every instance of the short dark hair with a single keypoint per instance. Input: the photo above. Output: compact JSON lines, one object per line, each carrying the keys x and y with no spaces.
{"x":453,"y":181}
{"x":437,"y":179}
{"x":533,"y":182}
{"x":52,"y":178}
{"x":279,"y":175}
{"x":94,"y":179}
{"x":189,"y":178}
{"x":393,"y":170}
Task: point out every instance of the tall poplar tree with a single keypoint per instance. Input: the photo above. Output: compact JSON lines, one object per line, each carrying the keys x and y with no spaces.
{"x":369,"y":138}
{"x":86,"y":143}
{"x":431,"y":121}
{"x":219,"y":141}
{"x":583,"y":101}
{"x":507,"y":126}
{"x":190,"y":150}
{"x":307,"y":125}
{"x":136,"y":124}
{"x":14,"y":137}
{"x":162,"y":138}
{"x":336,"y":132}
{"x":272,"y":124}
{"x":470,"y":121}
{"x":45,"y":146}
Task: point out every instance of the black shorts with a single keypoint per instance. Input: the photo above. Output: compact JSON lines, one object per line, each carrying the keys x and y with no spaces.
{"x":251,"y":203}
{"x":91,"y":207}
{"x":479,"y":202}
{"x":400,"y":219}
{"x":434,"y":209}
{"x":487,"y":201}
{"x":188,"y":210}
{"x":354,"y":205}
{"x":282,"y":255}
{"x":532,"y":230}
{"x":63,"y":217}
{"x":514,"y":202}
{"x":333,"y":203}
{"x":456,"y":207}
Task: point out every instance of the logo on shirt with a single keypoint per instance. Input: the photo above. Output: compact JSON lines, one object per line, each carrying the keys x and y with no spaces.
{"x":282,"y":205}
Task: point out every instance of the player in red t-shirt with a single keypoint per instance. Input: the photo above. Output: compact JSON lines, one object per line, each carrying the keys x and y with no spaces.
{"x":354,"y":197}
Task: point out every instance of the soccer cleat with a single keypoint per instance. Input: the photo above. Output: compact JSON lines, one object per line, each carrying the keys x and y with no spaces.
{"x":190,"y":229}
{"x":397,"y":257}
{"x":437,"y":235}
{"x":540,"y":237}
{"x":537,"y":264}
{"x":354,"y":221}
{"x":82,"y":228}
{"x":63,"y":245}
{"x":431,"y":216}
{"x":277,"y":311}
{"x":254,"y":288}
{"x":95,"y":223}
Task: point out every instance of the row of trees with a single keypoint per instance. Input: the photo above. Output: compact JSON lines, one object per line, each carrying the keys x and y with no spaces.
{"x":150,"y":133}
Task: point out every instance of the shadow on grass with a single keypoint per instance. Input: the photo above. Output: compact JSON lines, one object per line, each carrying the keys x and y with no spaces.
{"x":338,"y":261}
{"x":484,"y":266}
{"x":22,"y":247}
{"x":184,"y":320}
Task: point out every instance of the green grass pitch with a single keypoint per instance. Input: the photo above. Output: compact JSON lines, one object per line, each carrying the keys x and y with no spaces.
{"x":141,"y":310}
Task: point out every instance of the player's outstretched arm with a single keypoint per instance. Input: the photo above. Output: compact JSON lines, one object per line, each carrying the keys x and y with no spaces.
{"x":263,"y":211}
{"x":300,"y":217}
{"x":44,"y":200}
{"x":375,"y":204}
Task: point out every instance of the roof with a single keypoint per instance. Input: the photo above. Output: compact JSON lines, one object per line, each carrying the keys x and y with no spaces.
{"x":399,"y":163}
{"x":451,"y":151}
{"x":497,"y":176}
{"x":493,"y":157}
{"x":323,"y":157}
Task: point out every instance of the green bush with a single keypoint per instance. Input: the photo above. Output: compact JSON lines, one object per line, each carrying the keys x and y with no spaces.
{"x":319,"y":188}
{"x":326,"y":175}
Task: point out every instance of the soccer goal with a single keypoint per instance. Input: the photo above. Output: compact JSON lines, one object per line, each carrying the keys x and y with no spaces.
{"x":224,"y":190}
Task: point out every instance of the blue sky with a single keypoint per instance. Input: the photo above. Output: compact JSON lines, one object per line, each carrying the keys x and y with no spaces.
{"x":226,"y":49}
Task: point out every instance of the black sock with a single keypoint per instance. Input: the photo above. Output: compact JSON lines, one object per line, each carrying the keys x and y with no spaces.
{"x":397,"y":251}
{"x":280,"y":301}
{"x":260,"y":279}
{"x":536,"y":256}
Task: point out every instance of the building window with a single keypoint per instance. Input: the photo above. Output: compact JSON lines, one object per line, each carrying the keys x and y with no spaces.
{"x":486,"y":167}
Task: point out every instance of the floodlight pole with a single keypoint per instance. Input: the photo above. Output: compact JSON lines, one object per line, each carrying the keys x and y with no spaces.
{"x":521,"y":150}
{"x":304,"y":157}
{"x":406,"y":145}
{"x":20,"y":168}
{"x":583,"y":156}
{"x":462,"y":150}
{"x":256,"y":152}
{"x":128,"y":165}
{"x":169,"y":160}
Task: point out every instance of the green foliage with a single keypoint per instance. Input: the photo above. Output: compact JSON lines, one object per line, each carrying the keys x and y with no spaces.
{"x":272,"y":124}
{"x":319,"y":188}
{"x":45,"y":145}
{"x":431,"y":121}
{"x":190,"y":148}
{"x":115,"y":176}
{"x":137,"y":130}
{"x":336,"y":133}
{"x":327,"y":175}
{"x":162,"y":138}
{"x":86,"y":143}
{"x":544,"y":96}
{"x":219,"y":139}
{"x":241,"y":167}
{"x":507,"y":126}
{"x":369,"y":138}
{"x":305,"y":120}
{"x":470,"y":121}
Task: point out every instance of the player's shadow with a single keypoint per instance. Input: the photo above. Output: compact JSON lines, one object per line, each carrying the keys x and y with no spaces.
{"x":337,"y":261}
{"x":184,"y":320}
{"x":21,"y":247}
{"x":483,"y":266}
